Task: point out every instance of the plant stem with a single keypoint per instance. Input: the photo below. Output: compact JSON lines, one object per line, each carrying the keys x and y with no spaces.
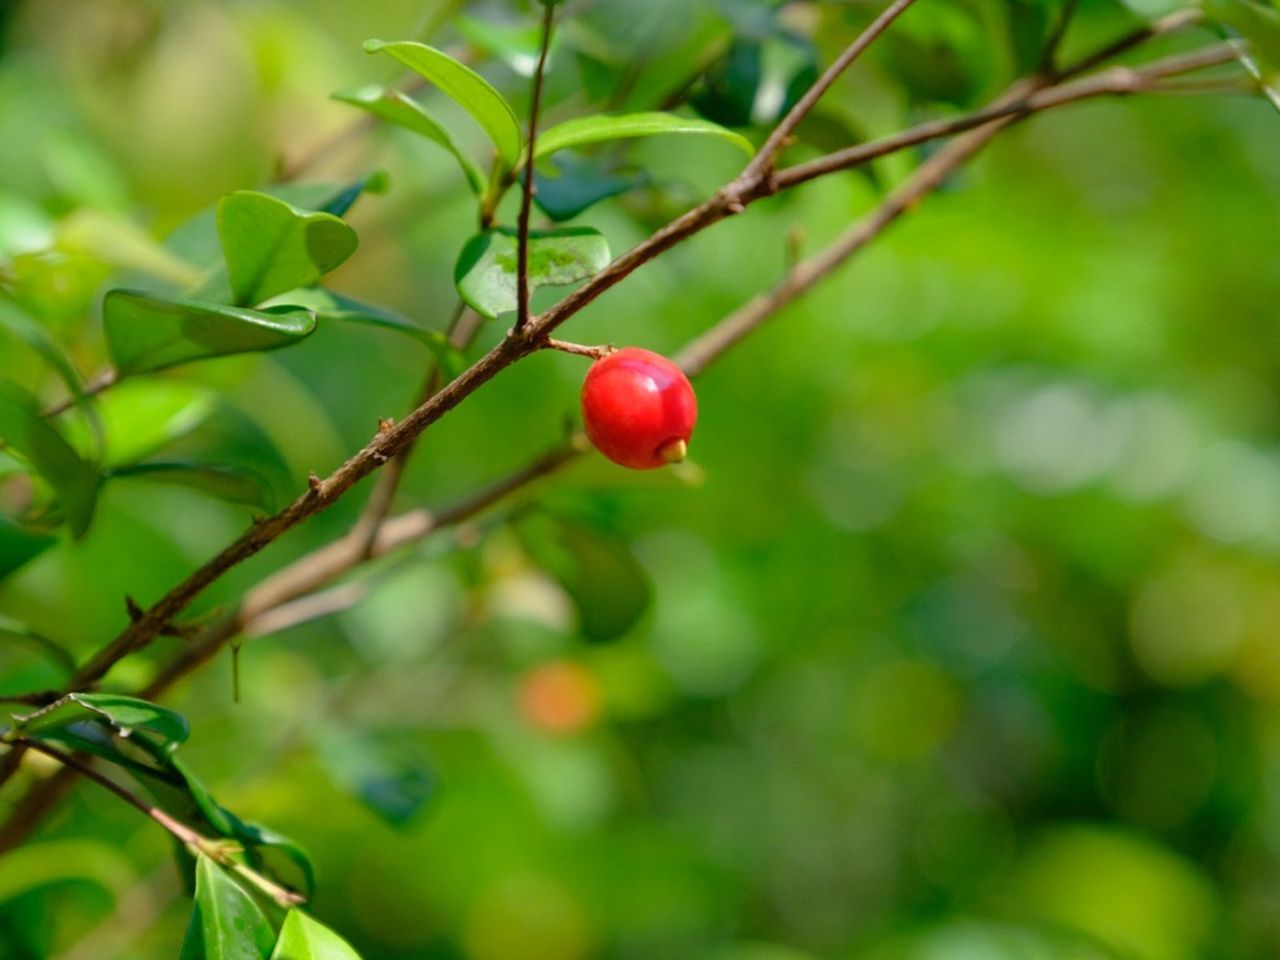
{"x":526,"y":197}
{"x":197,"y":842}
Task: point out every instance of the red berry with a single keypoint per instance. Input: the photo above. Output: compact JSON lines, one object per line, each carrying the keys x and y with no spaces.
{"x":639,"y":408}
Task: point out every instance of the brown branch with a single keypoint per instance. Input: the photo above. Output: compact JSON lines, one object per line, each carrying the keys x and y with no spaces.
{"x":526,"y":196}
{"x":1118,"y":81}
{"x":197,"y":842}
{"x":383,"y":497}
{"x":98,"y":383}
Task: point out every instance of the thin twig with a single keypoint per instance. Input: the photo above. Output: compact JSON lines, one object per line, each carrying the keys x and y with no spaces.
{"x":194,"y":840}
{"x":1049,"y":56}
{"x":95,"y":385}
{"x":597,"y":352}
{"x":526,"y":197}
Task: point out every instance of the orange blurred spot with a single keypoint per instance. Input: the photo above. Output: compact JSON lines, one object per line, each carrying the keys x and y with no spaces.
{"x":560,"y":697}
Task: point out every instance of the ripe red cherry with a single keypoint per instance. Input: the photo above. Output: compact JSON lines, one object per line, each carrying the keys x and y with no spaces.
{"x":639,"y":408}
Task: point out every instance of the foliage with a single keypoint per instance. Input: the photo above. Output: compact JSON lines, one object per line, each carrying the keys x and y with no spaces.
{"x":956,"y":638}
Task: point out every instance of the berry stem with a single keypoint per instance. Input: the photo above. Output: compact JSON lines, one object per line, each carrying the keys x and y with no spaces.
{"x":579,"y":349}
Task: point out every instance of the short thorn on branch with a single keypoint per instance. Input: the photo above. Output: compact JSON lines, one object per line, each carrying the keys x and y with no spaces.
{"x":598,"y":352}
{"x":314,"y":483}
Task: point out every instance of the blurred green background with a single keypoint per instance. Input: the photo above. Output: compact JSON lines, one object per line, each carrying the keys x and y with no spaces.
{"x":960,"y":634}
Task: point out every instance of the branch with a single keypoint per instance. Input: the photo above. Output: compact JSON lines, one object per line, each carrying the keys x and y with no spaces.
{"x":196,"y":842}
{"x":526,"y":197}
{"x":1118,"y":81}
{"x":383,"y":496}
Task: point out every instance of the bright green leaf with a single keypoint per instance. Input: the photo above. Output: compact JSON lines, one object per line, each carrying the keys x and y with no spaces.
{"x":486,"y":270}
{"x":26,"y":432}
{"x":196,"y":240}
{"x":117,"y":241}
{"x":601,"y":128}
{"x":302,"y":938}
{"x":271,"y":246}
{"x":146,"y":333}
{"x":462,"y":84}
{"x":225,"y":922}
{"x":125,"y":714}
{"x":398,"y":109}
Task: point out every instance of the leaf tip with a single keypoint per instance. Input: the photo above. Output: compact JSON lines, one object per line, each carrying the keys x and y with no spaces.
{"x":374,"y":45}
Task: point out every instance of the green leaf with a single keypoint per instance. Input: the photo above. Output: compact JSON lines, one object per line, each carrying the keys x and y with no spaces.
{"x":1260,"y":26}
{"x":302,"y":938}
{"x":603,"y":127}
{"x":125,"y":714}
{"x":196,"y":240}
{"x":486,"y":270}
{"x":607,"y":585}
{"x":271,"y":246}
{"x":19,"y":632}
{"x":467,"y":88}
{"x":26,"y":432}
{"x":19,"y":546}
{"x":231,"y":482}
{"x":579,"y":184}
{"x":112,"y":239}
{"x":146,"y":333}
{"x":398,"y":109}
{"x":225,"y":922}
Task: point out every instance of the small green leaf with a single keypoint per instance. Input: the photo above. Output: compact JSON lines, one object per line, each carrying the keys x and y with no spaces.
{"x":603,"y":127}
{"x":146,"y":333}
{"x":467,"y":88}
{"x":302,"y":938}
{"x":225,"y":922}
{"x":115,"y":240}
{"x":398,"y":109}
{"x":196,"y":240}
{"x":19,"y":546}
{"x":230,"y":482}
{"x":486,"y":270}
{"x":26,"y":432}
{"x":125,"y":714}
{"x":579,"y":184}
{"x":271,"y":246}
